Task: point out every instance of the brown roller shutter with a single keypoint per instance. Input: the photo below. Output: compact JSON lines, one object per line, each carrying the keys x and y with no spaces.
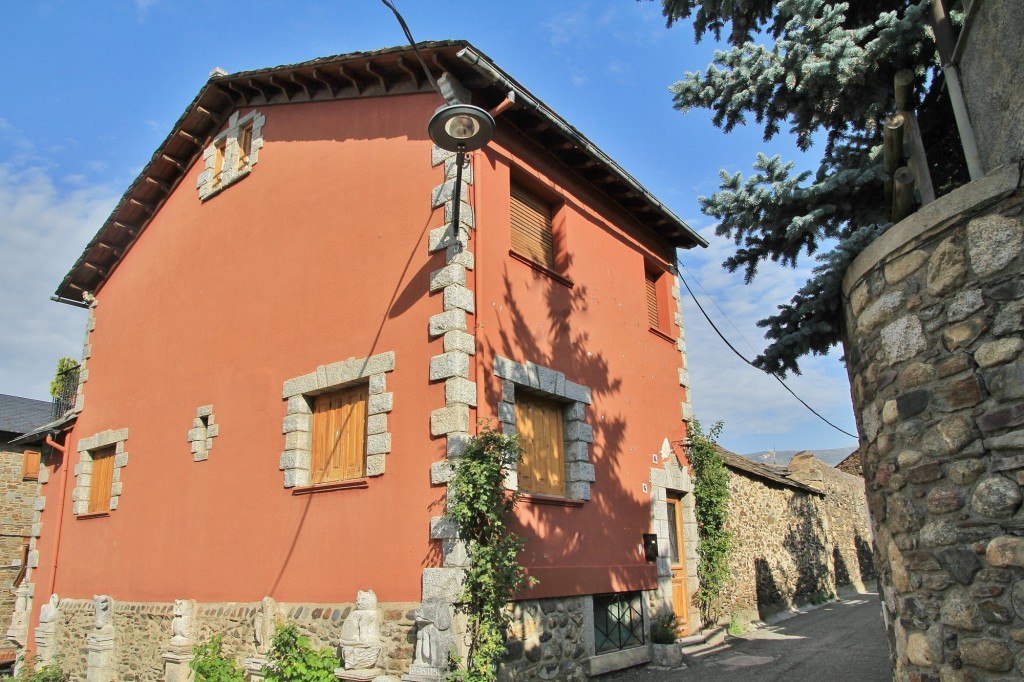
{"x":531,"y":227}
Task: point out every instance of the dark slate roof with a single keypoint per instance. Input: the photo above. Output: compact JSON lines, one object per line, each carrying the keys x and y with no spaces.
{"x":385,"y":72}
{"x":775,"y":474}
{"x":852,"y":464}
{"x":21,"y":415}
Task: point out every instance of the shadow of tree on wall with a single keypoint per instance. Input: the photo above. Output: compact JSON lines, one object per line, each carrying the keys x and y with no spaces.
{"x":769,"y":596}
{"x":865,"y":557}
{"x":806,"y":543}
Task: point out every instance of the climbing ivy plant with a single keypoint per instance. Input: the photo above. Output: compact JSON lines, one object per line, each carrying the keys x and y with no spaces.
{"x":711,"y":502}
{"x":480,"y":507}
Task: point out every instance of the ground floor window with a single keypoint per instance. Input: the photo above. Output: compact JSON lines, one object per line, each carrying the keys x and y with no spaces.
{"x":618,"y":621}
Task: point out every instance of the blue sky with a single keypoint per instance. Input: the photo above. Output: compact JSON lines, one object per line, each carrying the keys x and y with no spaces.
{"x":92,"y":88}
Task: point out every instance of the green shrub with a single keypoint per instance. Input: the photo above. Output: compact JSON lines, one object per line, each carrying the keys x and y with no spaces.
{"x":292,"y":659}
{"x":211,"y":665}
{"x":51,"y":672}
{"x":664,"y":629}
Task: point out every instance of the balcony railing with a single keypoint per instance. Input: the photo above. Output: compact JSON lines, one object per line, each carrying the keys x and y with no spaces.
{"x":67,"y":391}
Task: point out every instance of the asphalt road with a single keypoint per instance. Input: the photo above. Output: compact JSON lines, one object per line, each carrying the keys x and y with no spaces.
{"x":838,"y":642}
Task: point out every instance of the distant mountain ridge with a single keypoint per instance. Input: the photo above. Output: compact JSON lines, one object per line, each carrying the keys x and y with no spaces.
{"x":831,"y":456}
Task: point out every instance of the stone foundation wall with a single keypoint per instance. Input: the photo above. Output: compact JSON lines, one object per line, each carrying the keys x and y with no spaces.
{"x":934,"y":339}
{"x":17,"y":500}
{"x":548,"y":641}
{"x":792,"y":544}
{"x":144,"y":630}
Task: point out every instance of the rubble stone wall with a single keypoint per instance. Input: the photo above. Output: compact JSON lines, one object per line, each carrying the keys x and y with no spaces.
{"x":934,"y":321}
{"x":793,"y":545}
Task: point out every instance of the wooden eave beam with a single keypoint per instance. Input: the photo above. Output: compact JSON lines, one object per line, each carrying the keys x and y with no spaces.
{"x":173,"y":161}
{"x":372,"y":69}
{"x":110,"y":247}
{"x":191,"y":138}
{"x":412,"y":73}
{"x":332,"y":85}
{"x":130,"y":229}
{"x":288,"y":94}
{"x":252,"y":83}
{"x":356,"y":83}
{"x":233,"y":89}
{"x":149,"y":208}
{"x":307,"y":87}
{"x":206,"y":112}
{"x":158,"y":183}
{"x":102,"y":272}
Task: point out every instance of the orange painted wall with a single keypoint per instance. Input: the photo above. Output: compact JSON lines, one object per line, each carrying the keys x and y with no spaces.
{"x":318,"y":255}
{"x":596,"y":332}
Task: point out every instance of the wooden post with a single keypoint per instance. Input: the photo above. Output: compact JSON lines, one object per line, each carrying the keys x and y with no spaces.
{"x":912,"y":134}
{"x":903,"y":201}
{"x":892,"y":153}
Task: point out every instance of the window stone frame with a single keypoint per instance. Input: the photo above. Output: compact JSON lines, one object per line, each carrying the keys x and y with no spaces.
{"x":297,"y":426}
{"x":83,"y":470}
{"x":576,"y":432}
{"x":230,"y":173}
{"x":204,"y":430}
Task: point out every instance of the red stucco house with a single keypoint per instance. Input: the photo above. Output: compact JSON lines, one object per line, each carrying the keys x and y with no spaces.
{"x":289,"y":344}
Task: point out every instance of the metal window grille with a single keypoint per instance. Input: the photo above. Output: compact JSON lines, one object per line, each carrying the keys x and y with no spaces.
{"x":618,"y":621}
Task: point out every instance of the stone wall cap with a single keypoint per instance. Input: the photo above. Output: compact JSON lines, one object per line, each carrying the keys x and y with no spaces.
{"x":999,"y":181}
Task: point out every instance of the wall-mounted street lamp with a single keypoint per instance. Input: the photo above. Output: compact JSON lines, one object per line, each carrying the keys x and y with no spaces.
{"x":460,"y":128}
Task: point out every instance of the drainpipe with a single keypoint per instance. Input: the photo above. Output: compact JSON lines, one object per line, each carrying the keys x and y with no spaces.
{"x":60,"y":510}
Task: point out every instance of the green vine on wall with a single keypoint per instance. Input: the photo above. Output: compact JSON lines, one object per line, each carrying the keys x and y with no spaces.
{"x":711,"y":497}
{"x":480,"y":507}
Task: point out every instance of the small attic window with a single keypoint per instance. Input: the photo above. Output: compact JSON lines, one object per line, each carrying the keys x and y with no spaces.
{"x":232,"y":154}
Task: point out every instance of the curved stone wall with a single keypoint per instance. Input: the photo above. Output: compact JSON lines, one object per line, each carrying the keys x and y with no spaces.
{"x":934,"y":314}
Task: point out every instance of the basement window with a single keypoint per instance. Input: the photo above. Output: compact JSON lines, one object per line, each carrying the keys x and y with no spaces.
{"x":618,"y":621}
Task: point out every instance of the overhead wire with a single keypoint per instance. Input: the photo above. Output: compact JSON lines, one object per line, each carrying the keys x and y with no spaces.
{"x":412,"y":42}
{"x":744,"y":359}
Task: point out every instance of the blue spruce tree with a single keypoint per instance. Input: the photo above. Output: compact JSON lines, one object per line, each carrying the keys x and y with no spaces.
{"x":823,"y":71}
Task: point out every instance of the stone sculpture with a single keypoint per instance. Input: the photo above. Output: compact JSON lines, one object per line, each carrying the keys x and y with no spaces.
{"x":360,"y":639}
{"x":49,"y":612}
{"x":266,"y":619}
{"x":182,"y":627}
{"x":435,"y":642}
{"x":103,"y":605}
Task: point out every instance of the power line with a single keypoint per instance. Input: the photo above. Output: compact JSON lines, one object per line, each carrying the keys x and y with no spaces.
{"x":744,"y":359}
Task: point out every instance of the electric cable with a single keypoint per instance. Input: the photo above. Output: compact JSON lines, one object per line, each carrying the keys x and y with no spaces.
{"x":408,"y":35}
{"x":741,"y":357}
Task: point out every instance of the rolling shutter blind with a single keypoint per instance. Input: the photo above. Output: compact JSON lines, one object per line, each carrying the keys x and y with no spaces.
{"x":652,"y":299}
{"x":102,"y":478}
{"x":531,"y":227}
{"x":539,"y":425}
{"x":339,"y":435}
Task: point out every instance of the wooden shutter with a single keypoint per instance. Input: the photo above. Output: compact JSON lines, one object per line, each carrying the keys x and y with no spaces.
{"x":339,"y":435}
{"x":539,"y":425}
{"x":532,"y":234}
{"x":30,"y":466}
{"x":244,"y":146}
{"x":652,"y":299}
{"x":101,"y":481}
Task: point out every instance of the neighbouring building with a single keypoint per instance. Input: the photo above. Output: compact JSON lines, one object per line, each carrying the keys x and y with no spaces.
{"x":289,"y":344}
{"x":19,"y":480}
{"x":800,"y":533}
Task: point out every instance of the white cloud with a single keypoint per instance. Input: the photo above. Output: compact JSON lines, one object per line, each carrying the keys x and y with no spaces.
{"x":758,"y":413}
{"x":42,"y":232}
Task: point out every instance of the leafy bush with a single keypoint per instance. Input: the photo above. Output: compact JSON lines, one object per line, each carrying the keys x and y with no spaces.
{"x":51,"y":672}
{"x":292,"y":659}
{"x":211,"y":665}
{"x":711,"y":507}
{"x":664,"y":629}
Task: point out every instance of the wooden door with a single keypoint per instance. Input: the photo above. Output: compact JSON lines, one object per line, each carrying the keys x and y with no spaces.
{"x":677,"y":558}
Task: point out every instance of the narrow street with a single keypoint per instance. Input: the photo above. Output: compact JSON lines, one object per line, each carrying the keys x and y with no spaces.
{"x":839,"y":642}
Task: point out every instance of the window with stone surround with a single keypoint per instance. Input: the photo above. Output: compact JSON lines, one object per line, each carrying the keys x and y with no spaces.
{"x":618,"y":621}
{"x":232,"y":154}
{"x":98,"y":473}
{"x":548,"y":412}
{"x":204,"y":430}
{"x":336,"y":424}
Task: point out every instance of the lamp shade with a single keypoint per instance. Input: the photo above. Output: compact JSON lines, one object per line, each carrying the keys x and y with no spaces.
{"x":460,"y":127}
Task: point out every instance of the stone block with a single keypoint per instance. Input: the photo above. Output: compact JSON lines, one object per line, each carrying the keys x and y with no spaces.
{"x":448,"y":321}
{"x":684,"y":377}
{"x":298,"y":440}
{"x":296,"y":478}
{"x":375,"y":464}
{"x":459,"y":298}
{"x":460,"y":390}
{"x":213,"y":430}
{"x":880,"y":311}
{"x":381,"y":403}
{"x":580,"y":431}
{"x":993,"y":242}
{"x":445,"y":191}
{"x":998,"y":352}
{"x":439,"y":156}
{"x":449,"y":365}
{"x":996,"y":497}
{"x":79,"y":494}
{"x":298,"y":404}
{"x":449,"y":275}
{"x":577,"y":490}
{"x":577,"y":451}
{"x":460,"y":253}
{"x":903,"y":338}
{"x":456,"y":444}
{"x":964,"y":304}
{"x":686,"y":412}
{"x":899,"y":269}
{"x":296,"y":422}
{"x":377,"y":383}
{"x":453,"y":418}
{"x":510,"y":370}
{"x":581,"y":471}
{"x":444,"y":237}
{"x":204,"y":411}
{"x":378,"y":444}
{"x":115,"y":488}
{"x":947,"y":268}
{"x":987,"y":654}
{"x":299,"y":385}
{"x":575,"y":411}
{"x":963,"y":334}
{"x":80,"y":506}
{"x":443,"y":583}
{"x":377,"y":364}
{"x":467,"y":217}
{"x":443,"y":528}
{"x":376,"y":423}
{"x":294,"y":459}
{"x":550,"y":381}
{"x":506,"y":413}
{"x":460,"y":342}
{"x":455,"y":553}
{"x":576,"y":392}
{"x":442,"y":472}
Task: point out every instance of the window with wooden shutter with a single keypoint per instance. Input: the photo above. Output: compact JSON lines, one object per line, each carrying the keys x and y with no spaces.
{"x":532,"y":233}
{"x":244,"y":146}
{"x":101,"y":480}
{"x":30,"y":466}
{"x":652,"y":299}
{"x":339,"y":436}
{"x":539,"y":425}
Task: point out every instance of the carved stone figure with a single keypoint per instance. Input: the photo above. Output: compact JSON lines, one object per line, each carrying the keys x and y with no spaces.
{"x":18,"y":630}
{"x":434,"y":637}
{"x":266,"y":619}
{"x":182,"y":627}
{"x":49,"y":612}
{"x":360,"y":634}
{"x":104,"y":606}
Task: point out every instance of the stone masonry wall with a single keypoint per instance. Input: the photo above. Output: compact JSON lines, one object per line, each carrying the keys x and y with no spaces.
{"x":144,"y":630}
{"x":16,"y":508}
{"x":792,"y":545}
{"x":548,"y":641}
{"x":934,"y":322}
